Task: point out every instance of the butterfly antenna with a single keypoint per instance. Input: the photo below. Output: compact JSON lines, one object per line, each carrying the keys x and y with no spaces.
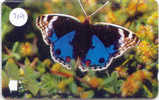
{"x":99,"y":9}
{"x":82,"y":8}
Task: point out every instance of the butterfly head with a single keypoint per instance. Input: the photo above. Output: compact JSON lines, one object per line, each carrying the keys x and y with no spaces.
{"x":88,"y":16}
{"x":87,"y":20}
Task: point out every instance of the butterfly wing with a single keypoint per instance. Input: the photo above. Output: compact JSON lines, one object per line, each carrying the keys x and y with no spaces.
{"x":58,"y":31}
{"x":109,"y":41}
{"x":120,"y":37}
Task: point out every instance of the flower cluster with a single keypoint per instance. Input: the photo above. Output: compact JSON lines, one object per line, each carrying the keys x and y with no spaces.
{"x":134,"y":82}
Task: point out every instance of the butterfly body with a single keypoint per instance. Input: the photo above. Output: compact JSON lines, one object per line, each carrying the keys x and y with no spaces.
{"x":95,"y":45}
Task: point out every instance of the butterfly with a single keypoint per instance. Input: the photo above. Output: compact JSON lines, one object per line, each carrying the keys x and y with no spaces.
{"x":94,"y":45}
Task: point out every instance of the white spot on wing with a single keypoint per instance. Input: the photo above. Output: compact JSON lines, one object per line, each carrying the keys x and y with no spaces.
{"x":121,"y":32}
{"x":130,"y":35}
{"x":45,"y":18}
{"x":51,"y":22}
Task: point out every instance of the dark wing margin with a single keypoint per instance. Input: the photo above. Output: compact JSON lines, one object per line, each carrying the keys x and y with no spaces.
{"x":120,"y":37}
{"x":56,"y":23}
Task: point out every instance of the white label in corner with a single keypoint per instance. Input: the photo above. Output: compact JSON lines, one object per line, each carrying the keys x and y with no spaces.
{"x":18,"y":17}
{"x":13,"y":85}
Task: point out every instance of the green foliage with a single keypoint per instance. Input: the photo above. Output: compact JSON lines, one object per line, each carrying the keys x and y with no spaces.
{"x":112,"y":84}
{"x":73,"y":88}
{"x":5,"y":80}
{"x":30,"y":80}
{"x":6,"y":27}
{"x":12,"y":70}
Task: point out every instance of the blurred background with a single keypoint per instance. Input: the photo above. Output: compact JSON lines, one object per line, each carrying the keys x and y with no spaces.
{"x":26,"y":58}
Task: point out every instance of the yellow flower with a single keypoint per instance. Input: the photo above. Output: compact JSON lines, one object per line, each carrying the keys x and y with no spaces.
{"x":48,"y":7}
{"x":146,"y":51}
{"x":87,"y":94}
{"x":11,"y":60}
{"x":80,"y":89}
{"x":47,"y":62}
{"x":146,"y":59}
{"x":95,"y":82}
{"x":140,"y":75}
{"x":153,"y":18}
{"x":133,"y":82}
{"x":130,"y":87}
{"x":148,"y":67}
{"x":56,"y":67}
{"x":62,"y":85}
{"x":56,"y":1}
{"x":21,"y":72}
{"x":81,"y":18}
{"x":84,"y":95}
{"x":146,"y":32}
{"x":121,"y":71}
{"x":111,"y":18}
{"x":26,"y":49}
{"x":141,"y":6}
{"x":28,"y":96}
{"x":89,"y":3}
{"x":136,"y":5}
{"x":69,"y":6}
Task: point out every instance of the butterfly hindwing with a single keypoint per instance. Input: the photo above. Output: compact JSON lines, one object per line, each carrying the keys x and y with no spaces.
{"x":99,"y":55}
{"x":63,"y":49}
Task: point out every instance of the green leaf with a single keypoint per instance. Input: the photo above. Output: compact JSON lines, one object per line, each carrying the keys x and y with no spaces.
{"x":114,"y":75}
{"x":16,"y":56}
{"x":27,"y":61}
{"x":90,"y":94}
{"x":148,"y":92}
{"x":5,"y":57}
{"x":73,"y":64}
{"x":117,"y":86}
{"x":30,"y":36}
{"x":30,"y":74}
{"x":91,"y":73}
{"x":110,"y":80}
{"x":111,"y":83}
{"x":30,"y":77}
{"x":49,"y":84}
{"x":73,"y":88}
{"x":107,"y":81}
{"x":6,"y":27}
{"x":15,"y":46}
{"x":32,"y":86}
{"x":109,"y":89}
{"x":5,"y":80}
{"x":41,"y":68}
{"x":12,"y":70}
{"x":43,"y":92}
